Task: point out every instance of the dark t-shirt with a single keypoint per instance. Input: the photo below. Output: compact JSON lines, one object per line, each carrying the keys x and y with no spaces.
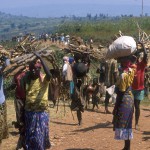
{"x":20,"y":91}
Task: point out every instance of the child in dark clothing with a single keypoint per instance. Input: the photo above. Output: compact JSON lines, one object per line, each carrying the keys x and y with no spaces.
{"x":95,"y":98}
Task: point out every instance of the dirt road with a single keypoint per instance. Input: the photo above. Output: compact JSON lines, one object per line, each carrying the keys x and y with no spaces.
{"x":96,"y":133}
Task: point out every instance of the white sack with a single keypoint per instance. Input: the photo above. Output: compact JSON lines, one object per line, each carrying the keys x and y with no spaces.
{"x":111,"y":90}
{"x":123,"y":46}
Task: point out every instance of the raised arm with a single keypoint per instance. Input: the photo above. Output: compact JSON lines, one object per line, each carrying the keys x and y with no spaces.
{"x":145,"y":52}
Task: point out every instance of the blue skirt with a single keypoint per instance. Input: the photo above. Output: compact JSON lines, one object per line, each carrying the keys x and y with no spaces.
{"x":138,"y":94}
{"x":37,"y":130}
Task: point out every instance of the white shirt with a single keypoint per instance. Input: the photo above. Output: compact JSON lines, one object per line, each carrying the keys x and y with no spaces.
{"x":65,"y":67}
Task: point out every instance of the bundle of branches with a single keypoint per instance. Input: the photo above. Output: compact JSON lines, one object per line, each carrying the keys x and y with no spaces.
{"x":4,"y":52}
{"x":3,"y":55}
{"x":98,"y":54}
{"x":20,"y":62}
{"x":145,"y":39}
{"x":78,"y":46}
{"x":27,"y":44}
{"x":76,"y":41}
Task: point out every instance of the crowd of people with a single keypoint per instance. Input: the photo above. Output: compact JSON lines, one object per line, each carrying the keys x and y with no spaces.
{"x":127,"y":75}
{"x":59,"y":38}
{"x":124,"y":75}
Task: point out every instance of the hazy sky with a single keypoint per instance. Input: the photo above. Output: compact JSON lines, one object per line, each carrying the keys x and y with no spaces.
{"x":50,"y":8}
{"x":16,"y":3}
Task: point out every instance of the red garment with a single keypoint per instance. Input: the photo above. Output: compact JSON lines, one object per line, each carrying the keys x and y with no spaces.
{"x":138,"y":82}
{"x":19,"y":92}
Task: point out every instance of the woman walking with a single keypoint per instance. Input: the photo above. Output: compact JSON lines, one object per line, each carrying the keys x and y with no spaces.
{"x":123,"y":110}
{"x":36,"y":107}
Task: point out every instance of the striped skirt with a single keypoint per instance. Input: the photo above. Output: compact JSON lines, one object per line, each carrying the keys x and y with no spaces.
{"x":123,"y":117}
{"x":37,"y":130}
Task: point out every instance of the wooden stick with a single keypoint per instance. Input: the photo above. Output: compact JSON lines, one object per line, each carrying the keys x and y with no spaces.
{"x":16,"y":70}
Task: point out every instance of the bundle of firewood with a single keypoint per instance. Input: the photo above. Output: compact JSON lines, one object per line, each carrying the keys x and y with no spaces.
{"x":94,"y":53}
{"x":19,"y":62}
{"x":76,"y":41}
{"x":27,"y":44}
{"x":4,"y":53}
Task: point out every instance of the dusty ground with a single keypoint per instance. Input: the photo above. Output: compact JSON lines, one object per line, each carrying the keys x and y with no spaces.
{"x":95,"y":134}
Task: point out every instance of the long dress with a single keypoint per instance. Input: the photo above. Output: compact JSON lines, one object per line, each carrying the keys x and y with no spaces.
{"x":37,"y":116}
{"x":123,"y":110}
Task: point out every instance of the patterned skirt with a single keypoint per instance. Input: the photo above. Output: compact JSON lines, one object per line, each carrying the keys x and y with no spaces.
{"x":37,"y":131}
{"x":3,"y":122}
{"x":123,"y":117}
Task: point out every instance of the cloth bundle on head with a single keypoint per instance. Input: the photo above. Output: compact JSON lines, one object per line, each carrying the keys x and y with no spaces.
{"x":121,"y":47}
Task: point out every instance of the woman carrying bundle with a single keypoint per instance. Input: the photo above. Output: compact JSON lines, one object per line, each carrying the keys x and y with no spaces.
{"x":123,"y":110}
{"x":36,"y":106}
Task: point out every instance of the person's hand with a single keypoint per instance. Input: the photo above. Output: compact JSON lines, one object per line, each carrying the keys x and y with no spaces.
{"x":37,"y":54}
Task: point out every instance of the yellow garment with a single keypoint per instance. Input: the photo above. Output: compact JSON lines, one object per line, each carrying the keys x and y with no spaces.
{"x":125,"y":80}
{"x":37,"y":95}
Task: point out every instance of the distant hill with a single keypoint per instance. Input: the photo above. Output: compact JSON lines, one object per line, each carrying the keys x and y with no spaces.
{"x":11,"y":25}
{"x":102,"y":28}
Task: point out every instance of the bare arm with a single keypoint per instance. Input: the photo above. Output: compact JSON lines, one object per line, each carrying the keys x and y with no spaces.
{"x":145,"y":52}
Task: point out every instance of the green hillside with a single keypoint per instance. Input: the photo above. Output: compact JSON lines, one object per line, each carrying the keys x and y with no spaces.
{"x":101,"y":28}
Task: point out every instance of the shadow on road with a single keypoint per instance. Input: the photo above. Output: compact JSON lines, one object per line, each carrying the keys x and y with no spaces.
{"x":63,"y":123}
{"x":100,"y":125}
{"x":146,"y":109}
{"x":146,"y":135}
{"x":79,"y":149}
{"x":14,"y":133}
